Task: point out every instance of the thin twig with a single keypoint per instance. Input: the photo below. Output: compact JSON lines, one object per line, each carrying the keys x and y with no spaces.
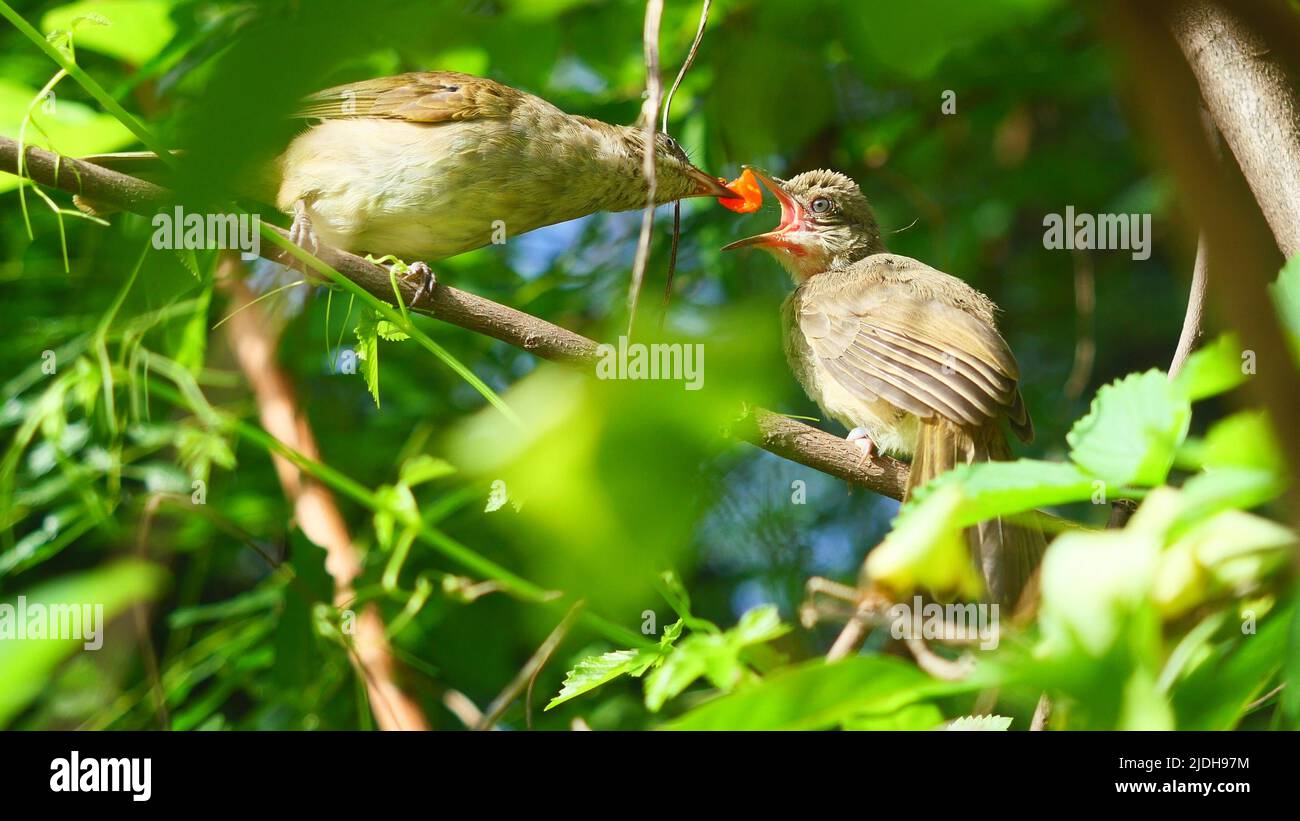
{"x":1042,"y":713}
{"x":530,"y":670}
{"x":677,"y":204}
{"x":142,"y":622}
{"x":672,"y":261}
{"x":1085,"y":344}
{"x":459,"y":705}
{"x":686,"y":65}
{"x":1190,"y":338}
{"x":935,"y":664}
{"x":654,"y":10}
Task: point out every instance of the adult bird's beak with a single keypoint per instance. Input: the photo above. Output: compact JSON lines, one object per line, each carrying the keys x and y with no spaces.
{"x":791,"y":218}
{"x":709,"y":186}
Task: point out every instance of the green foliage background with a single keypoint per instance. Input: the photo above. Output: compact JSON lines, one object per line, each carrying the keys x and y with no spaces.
{"x":625,"y":495}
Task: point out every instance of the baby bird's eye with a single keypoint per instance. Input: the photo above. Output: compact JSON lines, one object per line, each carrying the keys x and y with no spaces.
{"x":821,"y":205}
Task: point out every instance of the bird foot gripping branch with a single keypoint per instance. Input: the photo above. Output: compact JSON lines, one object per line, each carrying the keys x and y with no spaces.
{"x":416,"y":274}
{"x":859,"y":437}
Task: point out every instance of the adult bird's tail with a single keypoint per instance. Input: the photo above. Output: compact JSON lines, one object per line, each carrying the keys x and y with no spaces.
{"x":1005,"y":554}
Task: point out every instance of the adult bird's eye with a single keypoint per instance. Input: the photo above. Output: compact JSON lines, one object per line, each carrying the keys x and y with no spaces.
{"x":821,"y":205}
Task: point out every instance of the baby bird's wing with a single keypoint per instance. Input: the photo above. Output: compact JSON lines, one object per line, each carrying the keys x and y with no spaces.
{"x":421,"y":97}
{"x":893,"y":341}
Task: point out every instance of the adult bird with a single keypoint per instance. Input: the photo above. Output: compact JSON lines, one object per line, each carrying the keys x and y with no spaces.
{"x":427,"y":165}
{"x":906,"y":356}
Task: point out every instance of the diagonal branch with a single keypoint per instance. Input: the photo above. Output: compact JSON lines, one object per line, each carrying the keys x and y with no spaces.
{"x":778,"y":434}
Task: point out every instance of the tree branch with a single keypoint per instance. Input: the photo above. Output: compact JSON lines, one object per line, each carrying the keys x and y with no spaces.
{"x":1241,"y":250}
{"x":1252,"y":99}
{"x":778,"y":434}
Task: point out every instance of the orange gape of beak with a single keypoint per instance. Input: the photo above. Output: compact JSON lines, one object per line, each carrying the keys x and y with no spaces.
{"x":750,"y":194}
{"x":791,"y":220}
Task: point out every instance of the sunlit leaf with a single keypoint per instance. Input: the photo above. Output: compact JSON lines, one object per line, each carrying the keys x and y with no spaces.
{"x":1132,"y":431}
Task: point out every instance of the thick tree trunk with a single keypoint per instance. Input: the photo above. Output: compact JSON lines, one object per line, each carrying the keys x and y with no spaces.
{"x":1252,"y":98}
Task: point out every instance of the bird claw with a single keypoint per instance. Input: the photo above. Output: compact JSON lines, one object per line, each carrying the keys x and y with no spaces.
{"x":302,"y":234}
{"x":859,"y":437}
{"x":422,"y":277}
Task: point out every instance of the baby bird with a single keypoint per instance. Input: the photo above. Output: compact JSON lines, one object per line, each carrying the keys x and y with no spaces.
{"x":907,"y":357}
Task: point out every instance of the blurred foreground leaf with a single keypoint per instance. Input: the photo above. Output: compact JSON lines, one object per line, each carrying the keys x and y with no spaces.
{"x":816,"y":695}
{"x":26,"y":664}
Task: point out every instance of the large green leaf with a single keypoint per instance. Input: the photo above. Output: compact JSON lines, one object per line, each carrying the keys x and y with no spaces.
{"x":817,"y":695}
{"x":927,"y":550}
{"x":26,"y":664}
{"x":1132,"y":431}
{"x":921,"y":716}
{"x":1212,"y":370}
{"x":991,"y":489}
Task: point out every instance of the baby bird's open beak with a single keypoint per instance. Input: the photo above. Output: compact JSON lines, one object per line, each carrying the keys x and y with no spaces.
{"x":709,"y":186}
{"x":791,"y":219}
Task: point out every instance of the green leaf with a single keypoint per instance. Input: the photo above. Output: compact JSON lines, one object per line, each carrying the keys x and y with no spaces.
{"x":924,"y":716}
{"x":367,"y":332}
{"x":1243,"y":440}
{"x":1215,"y":693}
{"x":396,"y":503}
{"x":711,"y":655}
{"x":817,"y":695}
{"x":926,"y":549}
{"x":26,"y":664}
{"x":1286,"y":295}
{"x":992,"y":489}
{"x":697,"y":655}
{"x":989,"y":722}
{"x":1092,"y":584}
{"x":758,"y":625}
{"x":390,"y":332}
{"x":1223,"y":554}
{"x":424,"y":468}
{"x":594,"y":671}
{"x":1132,"y":431}
{"x":1291,"y":670}
{"x":1215,"y":368}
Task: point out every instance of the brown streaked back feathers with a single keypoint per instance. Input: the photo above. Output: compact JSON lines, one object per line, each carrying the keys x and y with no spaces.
{"x":420,"y":97}
{"x":895,"y":329}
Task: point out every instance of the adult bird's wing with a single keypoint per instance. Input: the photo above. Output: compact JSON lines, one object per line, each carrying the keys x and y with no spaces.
{"x":894,"y":340}
{"x":420,"y":97}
